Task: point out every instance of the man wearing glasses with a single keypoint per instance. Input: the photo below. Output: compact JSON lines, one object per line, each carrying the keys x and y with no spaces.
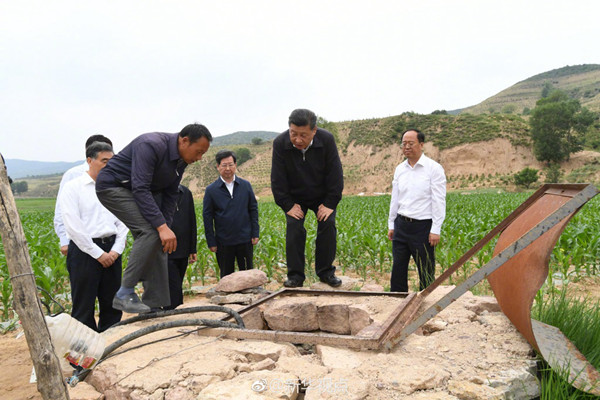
{"x":417,"y":211}
{"x":230,"y":214}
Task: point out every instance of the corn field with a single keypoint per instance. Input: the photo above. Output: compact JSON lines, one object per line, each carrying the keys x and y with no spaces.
{"x":363,"y":248}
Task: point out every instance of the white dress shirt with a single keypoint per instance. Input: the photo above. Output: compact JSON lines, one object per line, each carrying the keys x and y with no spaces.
{"x":85,"y":218}
{"x":59,"y":227}
{"x":229,"y":185}
{"x":419,"y":192}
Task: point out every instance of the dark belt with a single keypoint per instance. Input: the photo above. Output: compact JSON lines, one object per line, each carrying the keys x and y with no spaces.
{"x":104,"y":240}
{"x":409,"y":219}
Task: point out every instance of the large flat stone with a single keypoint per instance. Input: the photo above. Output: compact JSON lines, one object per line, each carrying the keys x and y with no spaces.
{"x":296,"y":316}
{"x":334,"y":318}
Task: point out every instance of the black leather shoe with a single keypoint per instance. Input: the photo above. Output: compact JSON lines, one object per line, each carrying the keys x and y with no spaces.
{"x":291,"y":283}
{"x":332,"y":280}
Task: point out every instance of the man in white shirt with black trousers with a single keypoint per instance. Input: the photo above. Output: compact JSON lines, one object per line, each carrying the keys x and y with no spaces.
{"x":69,"y":175}
{"x":417,"y":211}
{"x":97,"y":240}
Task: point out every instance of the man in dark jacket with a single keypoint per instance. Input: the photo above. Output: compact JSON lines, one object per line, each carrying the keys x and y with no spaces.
{"x":230,"y":213}
{"x":306,"y":173}
{"x":184,"y":227}
{"x":139,"y":186}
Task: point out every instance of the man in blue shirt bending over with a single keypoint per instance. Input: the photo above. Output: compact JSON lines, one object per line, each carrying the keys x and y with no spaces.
{"x":230,"y":216}
{"x":139,"y":186}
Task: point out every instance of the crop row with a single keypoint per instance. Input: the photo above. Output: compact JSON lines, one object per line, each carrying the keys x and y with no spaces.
{"x":363,"y":247}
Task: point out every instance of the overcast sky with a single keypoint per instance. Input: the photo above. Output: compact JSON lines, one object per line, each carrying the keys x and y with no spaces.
{"x":69,"y":69}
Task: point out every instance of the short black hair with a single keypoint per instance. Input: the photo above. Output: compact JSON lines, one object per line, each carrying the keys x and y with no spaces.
{"x":97,"y":138}
{"x":194,"y":132}
{"x":420,"y":135}
{"x":97,"y":147}
{"x":303,"y":117}
{"x":221,"y":154}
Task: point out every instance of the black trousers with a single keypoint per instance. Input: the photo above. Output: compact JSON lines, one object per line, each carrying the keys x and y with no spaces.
{"x":227,"y":255}
{"x":90,"y":280}
{"x":295,"y":244}
{"x":411,"y":238}
{"x":177,"y":268}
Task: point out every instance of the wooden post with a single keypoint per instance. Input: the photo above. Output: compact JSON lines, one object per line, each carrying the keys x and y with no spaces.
{"x":50,"y":381}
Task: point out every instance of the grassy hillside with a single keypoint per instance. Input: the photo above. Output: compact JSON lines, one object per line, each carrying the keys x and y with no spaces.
{"x":580,"y":82}
{"x":444,"y":131}
{"x":241,"y":138}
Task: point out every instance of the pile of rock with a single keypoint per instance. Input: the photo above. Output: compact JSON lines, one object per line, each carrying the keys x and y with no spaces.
{"x":242,"y":287}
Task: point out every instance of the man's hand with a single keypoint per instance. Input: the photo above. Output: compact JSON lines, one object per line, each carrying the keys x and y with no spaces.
{"x":167,"y":238}
{"x":255,"y":241}
{"x":114,"y":255}
{"x":213,"y":249}
{"x":434,"y":239}
{"x":390,"y":234}
{"x":296,"y":212}
{"x":323,"y":213}
{"x":192,"y":258}
{"x":106,"y":260}
{"x":64,"y":249}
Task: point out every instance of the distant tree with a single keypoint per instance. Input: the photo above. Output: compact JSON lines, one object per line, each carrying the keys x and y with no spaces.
{"x":558,"y":125}
{"x":19,"y":187}
{"x":553,"y":173}
{"x":243,"y":155}
{"x":526,"y":111}
{"x":546,"y":89}
{"x":526,"y":177}
{"x":440,"y":112}
{"x":257,"y":141}
{"x":328,"y":125}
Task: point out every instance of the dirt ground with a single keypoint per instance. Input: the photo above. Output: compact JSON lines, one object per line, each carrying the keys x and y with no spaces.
{"x":16,"y":364}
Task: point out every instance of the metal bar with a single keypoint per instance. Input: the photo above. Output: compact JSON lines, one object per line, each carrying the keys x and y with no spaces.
{"x":352,"y":342}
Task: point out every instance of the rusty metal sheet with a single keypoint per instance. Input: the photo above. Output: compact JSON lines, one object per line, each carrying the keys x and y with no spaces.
{"x":516,"y":284}
{"x":516,"y":272}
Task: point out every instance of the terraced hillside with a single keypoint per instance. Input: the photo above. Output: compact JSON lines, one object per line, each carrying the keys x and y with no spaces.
{"x":581,"y":82}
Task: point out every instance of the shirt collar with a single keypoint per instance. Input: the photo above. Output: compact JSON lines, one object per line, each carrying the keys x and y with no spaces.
{"x":87,"y":179}
{"x":223,"y":180}
{"x":421,"y":161}
{"x":307,"y":147}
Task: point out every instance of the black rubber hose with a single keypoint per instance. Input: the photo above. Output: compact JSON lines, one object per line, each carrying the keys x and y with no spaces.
{"x":81,"y":375}
{"x":166,"y":325}
{"x":188,"y":310}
